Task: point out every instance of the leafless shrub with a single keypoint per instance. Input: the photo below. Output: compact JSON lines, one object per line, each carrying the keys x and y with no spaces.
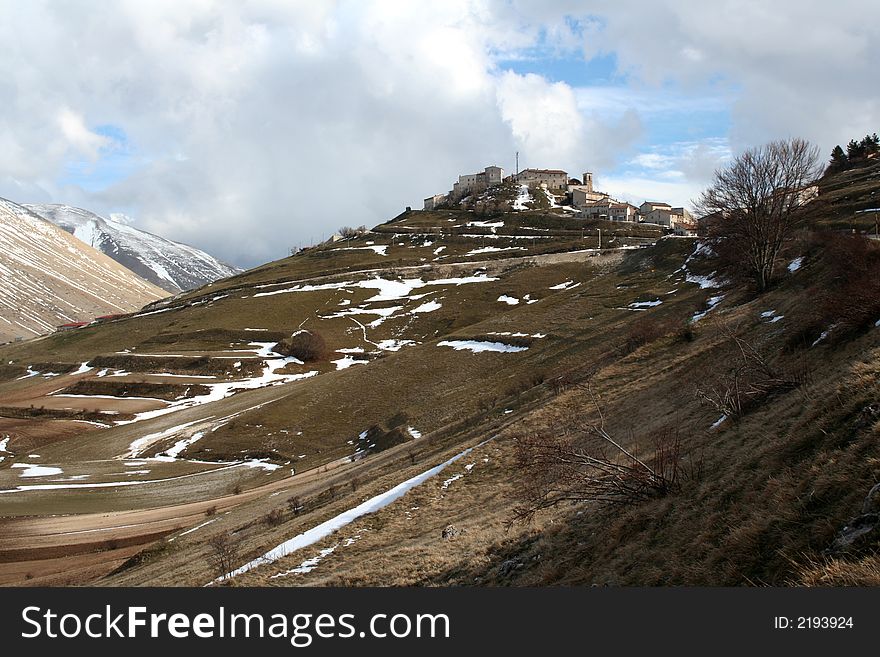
{"x":692,"y":466}
{"x":580,"y":461}
{"x":487,"y":403}
{"x":275,"y":517}
{"x":749,"y":379}
{"x":224,"y":553}
{"x":643,"y":331}
{"x":525,"y":382}
{"x":295,"y":505}
{"x":348,"y":231}
{"x":685,"y":332}
{"x":561,"y":383}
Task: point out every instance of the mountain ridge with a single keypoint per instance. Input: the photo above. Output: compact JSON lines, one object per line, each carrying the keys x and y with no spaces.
{"x":51,"y":278}
{"x":173,"y":266}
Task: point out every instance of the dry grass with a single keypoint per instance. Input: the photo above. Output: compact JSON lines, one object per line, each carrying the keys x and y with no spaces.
{"x":761,"y":499}
{"x":839,"y":572}
{"x":773,"y":490}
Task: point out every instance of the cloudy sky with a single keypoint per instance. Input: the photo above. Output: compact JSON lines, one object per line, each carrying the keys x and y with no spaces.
{"x":246,"y":128}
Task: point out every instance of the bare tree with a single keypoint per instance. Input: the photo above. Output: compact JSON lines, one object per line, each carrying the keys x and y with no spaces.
{"x":578,"y":460}
{"x":224,"y":553}
{"x":756,"y":198}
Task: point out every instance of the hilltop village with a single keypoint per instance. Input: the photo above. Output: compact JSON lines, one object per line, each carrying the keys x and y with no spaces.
{"x":576,"y":197}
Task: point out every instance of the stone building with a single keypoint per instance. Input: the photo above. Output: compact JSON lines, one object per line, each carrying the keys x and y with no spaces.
{"x":584,"y":194}
{"x":649,"y":206}
{"x":686,"y":228}
{"x":664,"y":215}
{"x":435,"y":201}
{"x":470,"y":183}
{"x":553,"y":178}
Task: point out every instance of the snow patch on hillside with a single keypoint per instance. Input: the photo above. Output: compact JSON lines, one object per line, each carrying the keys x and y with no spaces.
{"x":494,"y":249}
{"x":522,"y":198}
{"x":478,"y":346}
{"x":326,"y":528}
{"x":710,"y":304}
{"x":33,"y":470}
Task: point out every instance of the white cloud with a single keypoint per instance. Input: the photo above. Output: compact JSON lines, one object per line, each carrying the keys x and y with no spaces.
{"x":796,"y":67}
{"x":543,"y":118}
{"x":675,"y":172}
{"x":78,"y":137}
{"x":653,"y":161}
{"x":635,"y":189}
{"x":258,"y":125}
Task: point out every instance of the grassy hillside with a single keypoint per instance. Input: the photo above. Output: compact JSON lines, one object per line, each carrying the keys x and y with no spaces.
{"x":652,"y":341}
{"x":847,"y":199}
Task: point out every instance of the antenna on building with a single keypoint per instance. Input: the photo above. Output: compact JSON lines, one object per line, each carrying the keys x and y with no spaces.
{"x":517,"y":166}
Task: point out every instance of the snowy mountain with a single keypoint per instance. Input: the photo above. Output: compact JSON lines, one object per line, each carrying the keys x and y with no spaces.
{"x":51,"y":278}
{"x":170,"y":265}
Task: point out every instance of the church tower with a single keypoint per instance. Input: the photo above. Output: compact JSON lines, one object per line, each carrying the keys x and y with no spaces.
{"x":588,"y":181}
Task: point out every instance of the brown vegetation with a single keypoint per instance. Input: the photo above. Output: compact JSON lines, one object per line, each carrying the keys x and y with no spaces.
{"x":578,"y":460}
{"x":62,"y":414}
{"x":223,"y":554}
{"x":198,"y":365}
{"x":275,"y":517}
{"x":165,"y":391}
{"x":748,"y":378}
{"x":307,"y":346}
{"x":848,"y":300}
{"x":644,"y":330}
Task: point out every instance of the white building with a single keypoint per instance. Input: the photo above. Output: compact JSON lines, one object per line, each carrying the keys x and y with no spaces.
{"x":664,"y":215}
{"x":610,"y":210}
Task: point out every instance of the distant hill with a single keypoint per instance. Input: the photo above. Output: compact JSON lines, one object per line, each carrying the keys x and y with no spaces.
{"x":51,"y":278}
{"x":173,"y":266}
